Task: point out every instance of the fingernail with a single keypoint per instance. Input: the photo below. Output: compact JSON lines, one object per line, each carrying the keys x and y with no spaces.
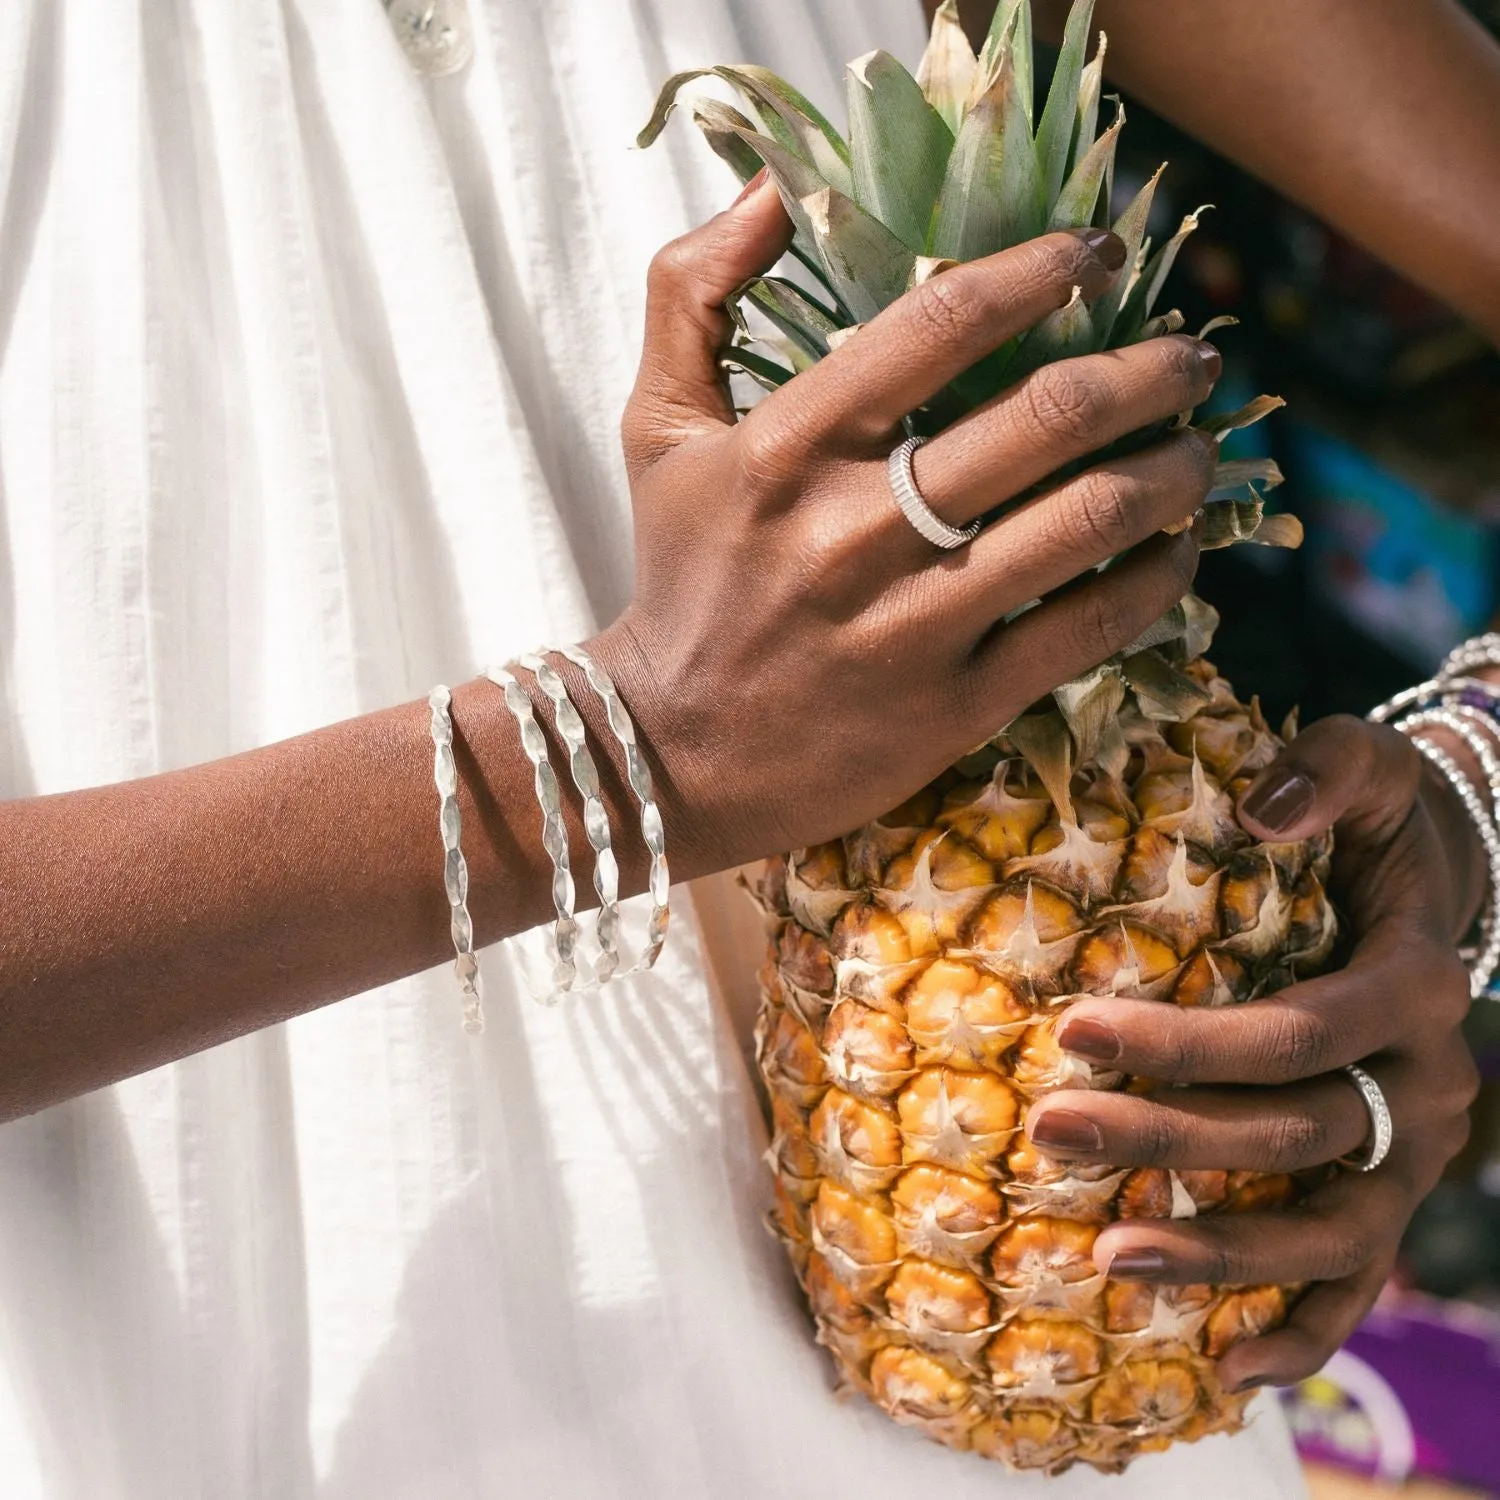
{"x":1108,"y":247}
{"x":1249,"y":1383}
{"x":1280,"y":800}
{"x":1137,"y":1265}
{"x":1092,"y":1040}
{"x":1067,"y":1130}
{"x":752,"y":186}
{"x":1213,"y":361}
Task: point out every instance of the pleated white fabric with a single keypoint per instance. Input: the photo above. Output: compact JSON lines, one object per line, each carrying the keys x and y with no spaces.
{"x":310,"y":375}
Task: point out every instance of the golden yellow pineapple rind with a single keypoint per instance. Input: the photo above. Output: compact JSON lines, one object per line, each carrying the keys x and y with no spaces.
{"x":917,"y":973}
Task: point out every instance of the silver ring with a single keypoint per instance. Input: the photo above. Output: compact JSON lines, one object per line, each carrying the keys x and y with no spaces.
{"x":923,"y":517}
{"x":1380,"y":1120}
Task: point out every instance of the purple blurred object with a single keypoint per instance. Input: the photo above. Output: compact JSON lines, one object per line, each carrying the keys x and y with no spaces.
{"x":1415,"y":1391}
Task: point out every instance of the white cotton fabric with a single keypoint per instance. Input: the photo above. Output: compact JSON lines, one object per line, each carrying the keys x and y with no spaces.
{"x":310,"y":374}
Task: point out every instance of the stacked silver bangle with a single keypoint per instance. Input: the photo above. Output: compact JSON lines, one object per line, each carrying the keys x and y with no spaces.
{"x":569,"y":972}
{"x":1468,"y":708}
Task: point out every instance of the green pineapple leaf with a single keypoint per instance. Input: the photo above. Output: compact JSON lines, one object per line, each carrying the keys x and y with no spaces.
{"x":784,"y":114}
{"x":1153,"y":278}
{"x":1080,"y":195}
{"x":1010,"y":36}
{"x":766,"y":373}
{"x":899,"y":147}
{"x":1131,"y":227}
{"x":805,"y":322}
{"x":1054,"y":136}
{"x":1061,"y":335}
{"x":1090,"y":91}
{"x":949,"y":72}
{"x":868,"y":266}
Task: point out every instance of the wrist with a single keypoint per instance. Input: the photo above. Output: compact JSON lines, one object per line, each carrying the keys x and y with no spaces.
{"x":655,"y":710}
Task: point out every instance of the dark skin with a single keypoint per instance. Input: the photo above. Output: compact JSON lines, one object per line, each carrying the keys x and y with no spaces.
{"x":1396,"y":146}
{"x":774,"y":639}
{"x":765,"y":658}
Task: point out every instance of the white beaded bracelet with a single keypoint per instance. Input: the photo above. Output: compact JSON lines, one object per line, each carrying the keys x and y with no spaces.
{"x":554,"y":833}
{"x":455,"y":869}
{"x":639,"y":776}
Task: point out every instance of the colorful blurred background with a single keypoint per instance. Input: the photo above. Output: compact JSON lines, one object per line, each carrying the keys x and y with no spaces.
{"x":1391,"y":447}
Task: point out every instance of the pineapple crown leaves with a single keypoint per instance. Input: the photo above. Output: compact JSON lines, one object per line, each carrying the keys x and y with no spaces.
{"x":951,"y":164}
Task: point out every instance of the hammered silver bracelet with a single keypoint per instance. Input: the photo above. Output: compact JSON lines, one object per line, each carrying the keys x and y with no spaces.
{"x":639,"y":776}
{"x":455,"y":869}
{"x":554,"y":833}
{"x":595,"y":817}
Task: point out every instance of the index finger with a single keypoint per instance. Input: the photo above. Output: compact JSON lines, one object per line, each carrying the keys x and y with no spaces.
{"x":905,"y":356}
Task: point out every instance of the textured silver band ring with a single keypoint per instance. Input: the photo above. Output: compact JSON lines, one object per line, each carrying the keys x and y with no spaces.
{"x":928,"y":523}
{"x":1380,"y":1120}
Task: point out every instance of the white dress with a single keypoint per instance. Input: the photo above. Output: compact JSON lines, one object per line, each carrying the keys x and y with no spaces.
{"x":310,"y":375}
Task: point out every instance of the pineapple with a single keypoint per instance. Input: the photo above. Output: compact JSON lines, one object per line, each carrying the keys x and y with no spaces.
{"x":919,"y":967}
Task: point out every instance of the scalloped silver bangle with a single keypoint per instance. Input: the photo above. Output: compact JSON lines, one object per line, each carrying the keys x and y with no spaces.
{"x":554,"y":833}
{"x":455,"y":868}
{"x":595,"y":816}
{"x":639,"y":776}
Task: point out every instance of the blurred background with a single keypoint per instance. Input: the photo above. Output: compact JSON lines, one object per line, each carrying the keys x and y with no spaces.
{"x":1391,"y":446}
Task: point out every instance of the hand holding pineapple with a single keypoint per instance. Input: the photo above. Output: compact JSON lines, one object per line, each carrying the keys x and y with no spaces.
{"x":787,"y":615}
{"x":1400,"y":999}
{"x":1016,"y":1247}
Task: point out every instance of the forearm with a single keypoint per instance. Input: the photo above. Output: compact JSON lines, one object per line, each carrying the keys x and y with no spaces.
{"x":1382,"y":116}
{"x":145,"y":921}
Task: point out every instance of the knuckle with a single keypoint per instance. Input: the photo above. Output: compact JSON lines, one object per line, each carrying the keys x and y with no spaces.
{"x":1295,"y":1140}
{"x":1105,"y":622}
{"x":672,"y":264}
{"x":1060,"y":401}
{"x":1157,"y":1138}
{"x":764,"y":458}
{"x":1185,"y":369}
{"x":949,"y":307}
{"x":1345,"y":1252}
{"x":1296,"y":1044}
{"x":1102,"y":511}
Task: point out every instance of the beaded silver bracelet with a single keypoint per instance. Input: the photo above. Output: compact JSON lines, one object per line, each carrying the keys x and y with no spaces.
{"x":595,"y":817}
{"x":554,"y":833}
{"x":1483,"y":959}
{"x":455,"y":869}
{"x":639,"y":776}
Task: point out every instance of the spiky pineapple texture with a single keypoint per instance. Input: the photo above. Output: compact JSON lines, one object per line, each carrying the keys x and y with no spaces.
{"x":919,"y":970}
{"x":920,"y":966}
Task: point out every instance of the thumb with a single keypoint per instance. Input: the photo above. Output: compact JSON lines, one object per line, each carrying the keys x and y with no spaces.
{"x":680,"y":389}
{"x":1341,"y":770}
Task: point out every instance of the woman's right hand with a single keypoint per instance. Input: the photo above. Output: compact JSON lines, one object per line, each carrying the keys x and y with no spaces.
{"x":799,"y":660}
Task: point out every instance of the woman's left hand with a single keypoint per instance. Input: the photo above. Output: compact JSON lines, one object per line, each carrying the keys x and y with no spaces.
{"x":1396,"y":1010}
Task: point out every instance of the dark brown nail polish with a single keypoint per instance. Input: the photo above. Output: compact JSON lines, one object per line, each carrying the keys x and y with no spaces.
{"x":1213,"y":361}
{"x":1092,"y":1040}
{"x":1138,"y":1265}
{"x":1280,"y":800}
{"x":1066,"y":1130}
{"x":1249,"y":1383}
{"x":1108,"y":247}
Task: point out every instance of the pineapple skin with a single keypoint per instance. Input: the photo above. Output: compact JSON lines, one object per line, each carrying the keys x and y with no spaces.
{"x":917,"y":973}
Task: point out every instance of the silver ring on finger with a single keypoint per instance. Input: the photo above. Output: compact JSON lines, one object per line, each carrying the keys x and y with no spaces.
{"x":928,"y":523}
{"x":1382,"y":1131}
